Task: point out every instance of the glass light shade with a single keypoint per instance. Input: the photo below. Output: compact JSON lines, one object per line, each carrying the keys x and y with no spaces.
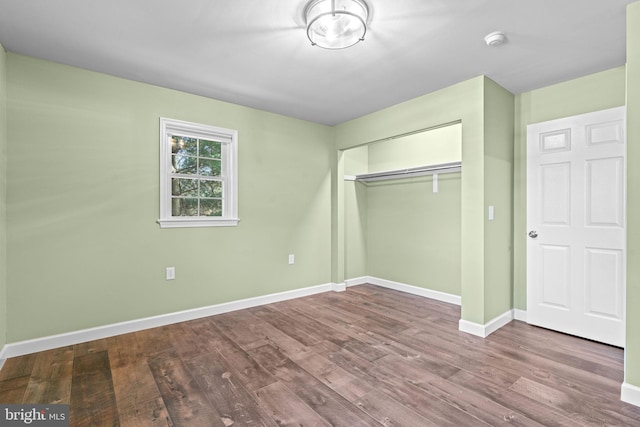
{"x":336,"y":24}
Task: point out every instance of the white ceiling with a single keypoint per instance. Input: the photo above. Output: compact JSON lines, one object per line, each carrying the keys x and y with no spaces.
{"x":256,"y":53}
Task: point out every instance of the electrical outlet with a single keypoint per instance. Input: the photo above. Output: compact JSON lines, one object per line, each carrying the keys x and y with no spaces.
{"x":292,"y":259}
{"x":171,"y":273}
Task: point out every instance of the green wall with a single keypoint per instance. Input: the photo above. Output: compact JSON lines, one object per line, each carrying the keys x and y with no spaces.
{"x":3,"y":198}
{"x":414,"y":234}
{"x":632,"y":351}
{"x":498,"y":192}
{"x":587,"y":94}
{"x":356,"y":161}
{"x":83,"y":246}
{"x":439,"y":145}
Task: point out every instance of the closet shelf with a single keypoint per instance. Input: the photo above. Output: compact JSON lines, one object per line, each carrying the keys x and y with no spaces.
{"x":407,"y":173}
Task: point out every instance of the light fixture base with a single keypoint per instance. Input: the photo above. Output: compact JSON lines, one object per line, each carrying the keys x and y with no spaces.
{"x":495,"y":39}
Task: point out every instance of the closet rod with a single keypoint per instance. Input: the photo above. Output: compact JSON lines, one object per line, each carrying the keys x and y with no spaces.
{"x":410,"y":172}
{"x":401,"y":135}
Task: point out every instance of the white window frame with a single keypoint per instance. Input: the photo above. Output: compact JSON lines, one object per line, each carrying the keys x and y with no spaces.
{"x":229,"y":168}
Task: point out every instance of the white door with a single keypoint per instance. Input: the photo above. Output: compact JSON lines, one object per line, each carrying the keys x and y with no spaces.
{"x":576,"y":208}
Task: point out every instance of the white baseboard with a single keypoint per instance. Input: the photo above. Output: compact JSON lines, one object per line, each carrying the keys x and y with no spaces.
{"x":409,"y":289}
{"x":520,"y":314}
{"x":47,"y":343}
{"x":338,"y":287}
{"x":488,"y":328}
{"x":472,"y":328}
{"x":630,"y":393}
{"x":357,"y":281}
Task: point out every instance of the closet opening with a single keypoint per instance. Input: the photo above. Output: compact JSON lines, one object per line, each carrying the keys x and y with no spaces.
{"x":402,"y":202}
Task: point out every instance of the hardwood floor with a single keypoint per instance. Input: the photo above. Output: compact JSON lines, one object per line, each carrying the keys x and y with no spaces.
{"x":365,"y":357}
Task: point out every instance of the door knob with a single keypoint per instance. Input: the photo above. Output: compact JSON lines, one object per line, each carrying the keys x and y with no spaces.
{"x":533,"y":234}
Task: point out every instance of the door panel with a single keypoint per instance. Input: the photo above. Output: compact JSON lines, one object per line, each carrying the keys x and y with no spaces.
{"x":603,"y":297}
{"x":576,"y":207}
{"x":605,"y":192}
{"x":556,"y":275}
{"x":605,"y":133}
{"x":555,"y":193}
{"x":555,"y":141}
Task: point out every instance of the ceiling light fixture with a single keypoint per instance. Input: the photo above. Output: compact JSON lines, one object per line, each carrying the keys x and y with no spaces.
{"x":336,"y":24}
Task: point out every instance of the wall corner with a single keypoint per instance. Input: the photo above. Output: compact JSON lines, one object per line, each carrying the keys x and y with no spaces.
{"x":632,"y":348}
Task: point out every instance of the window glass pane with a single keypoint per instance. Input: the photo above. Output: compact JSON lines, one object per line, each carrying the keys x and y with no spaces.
{"x":211,"y":149}
{"x":210,"y":207}
{"x":210,"y":188}
{"x":184,"y":164}
{"x":175,"y":144}
{"x":184,"y":187}
{"x":209,"y":167}
{"x":189,"y":146}
{"x":184,"y":207}
{"x":184,"y":145}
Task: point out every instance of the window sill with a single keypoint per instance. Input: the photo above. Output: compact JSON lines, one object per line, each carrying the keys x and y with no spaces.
{"x":197,"y":222}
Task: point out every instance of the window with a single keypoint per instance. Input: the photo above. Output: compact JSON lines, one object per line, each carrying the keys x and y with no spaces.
{"x":198,"y":175}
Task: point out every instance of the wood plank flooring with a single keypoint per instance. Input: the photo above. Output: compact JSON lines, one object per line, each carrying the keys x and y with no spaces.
{"x":365,"y":357}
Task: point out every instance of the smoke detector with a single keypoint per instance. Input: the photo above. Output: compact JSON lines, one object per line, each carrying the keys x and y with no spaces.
{"x":495,"y":39}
